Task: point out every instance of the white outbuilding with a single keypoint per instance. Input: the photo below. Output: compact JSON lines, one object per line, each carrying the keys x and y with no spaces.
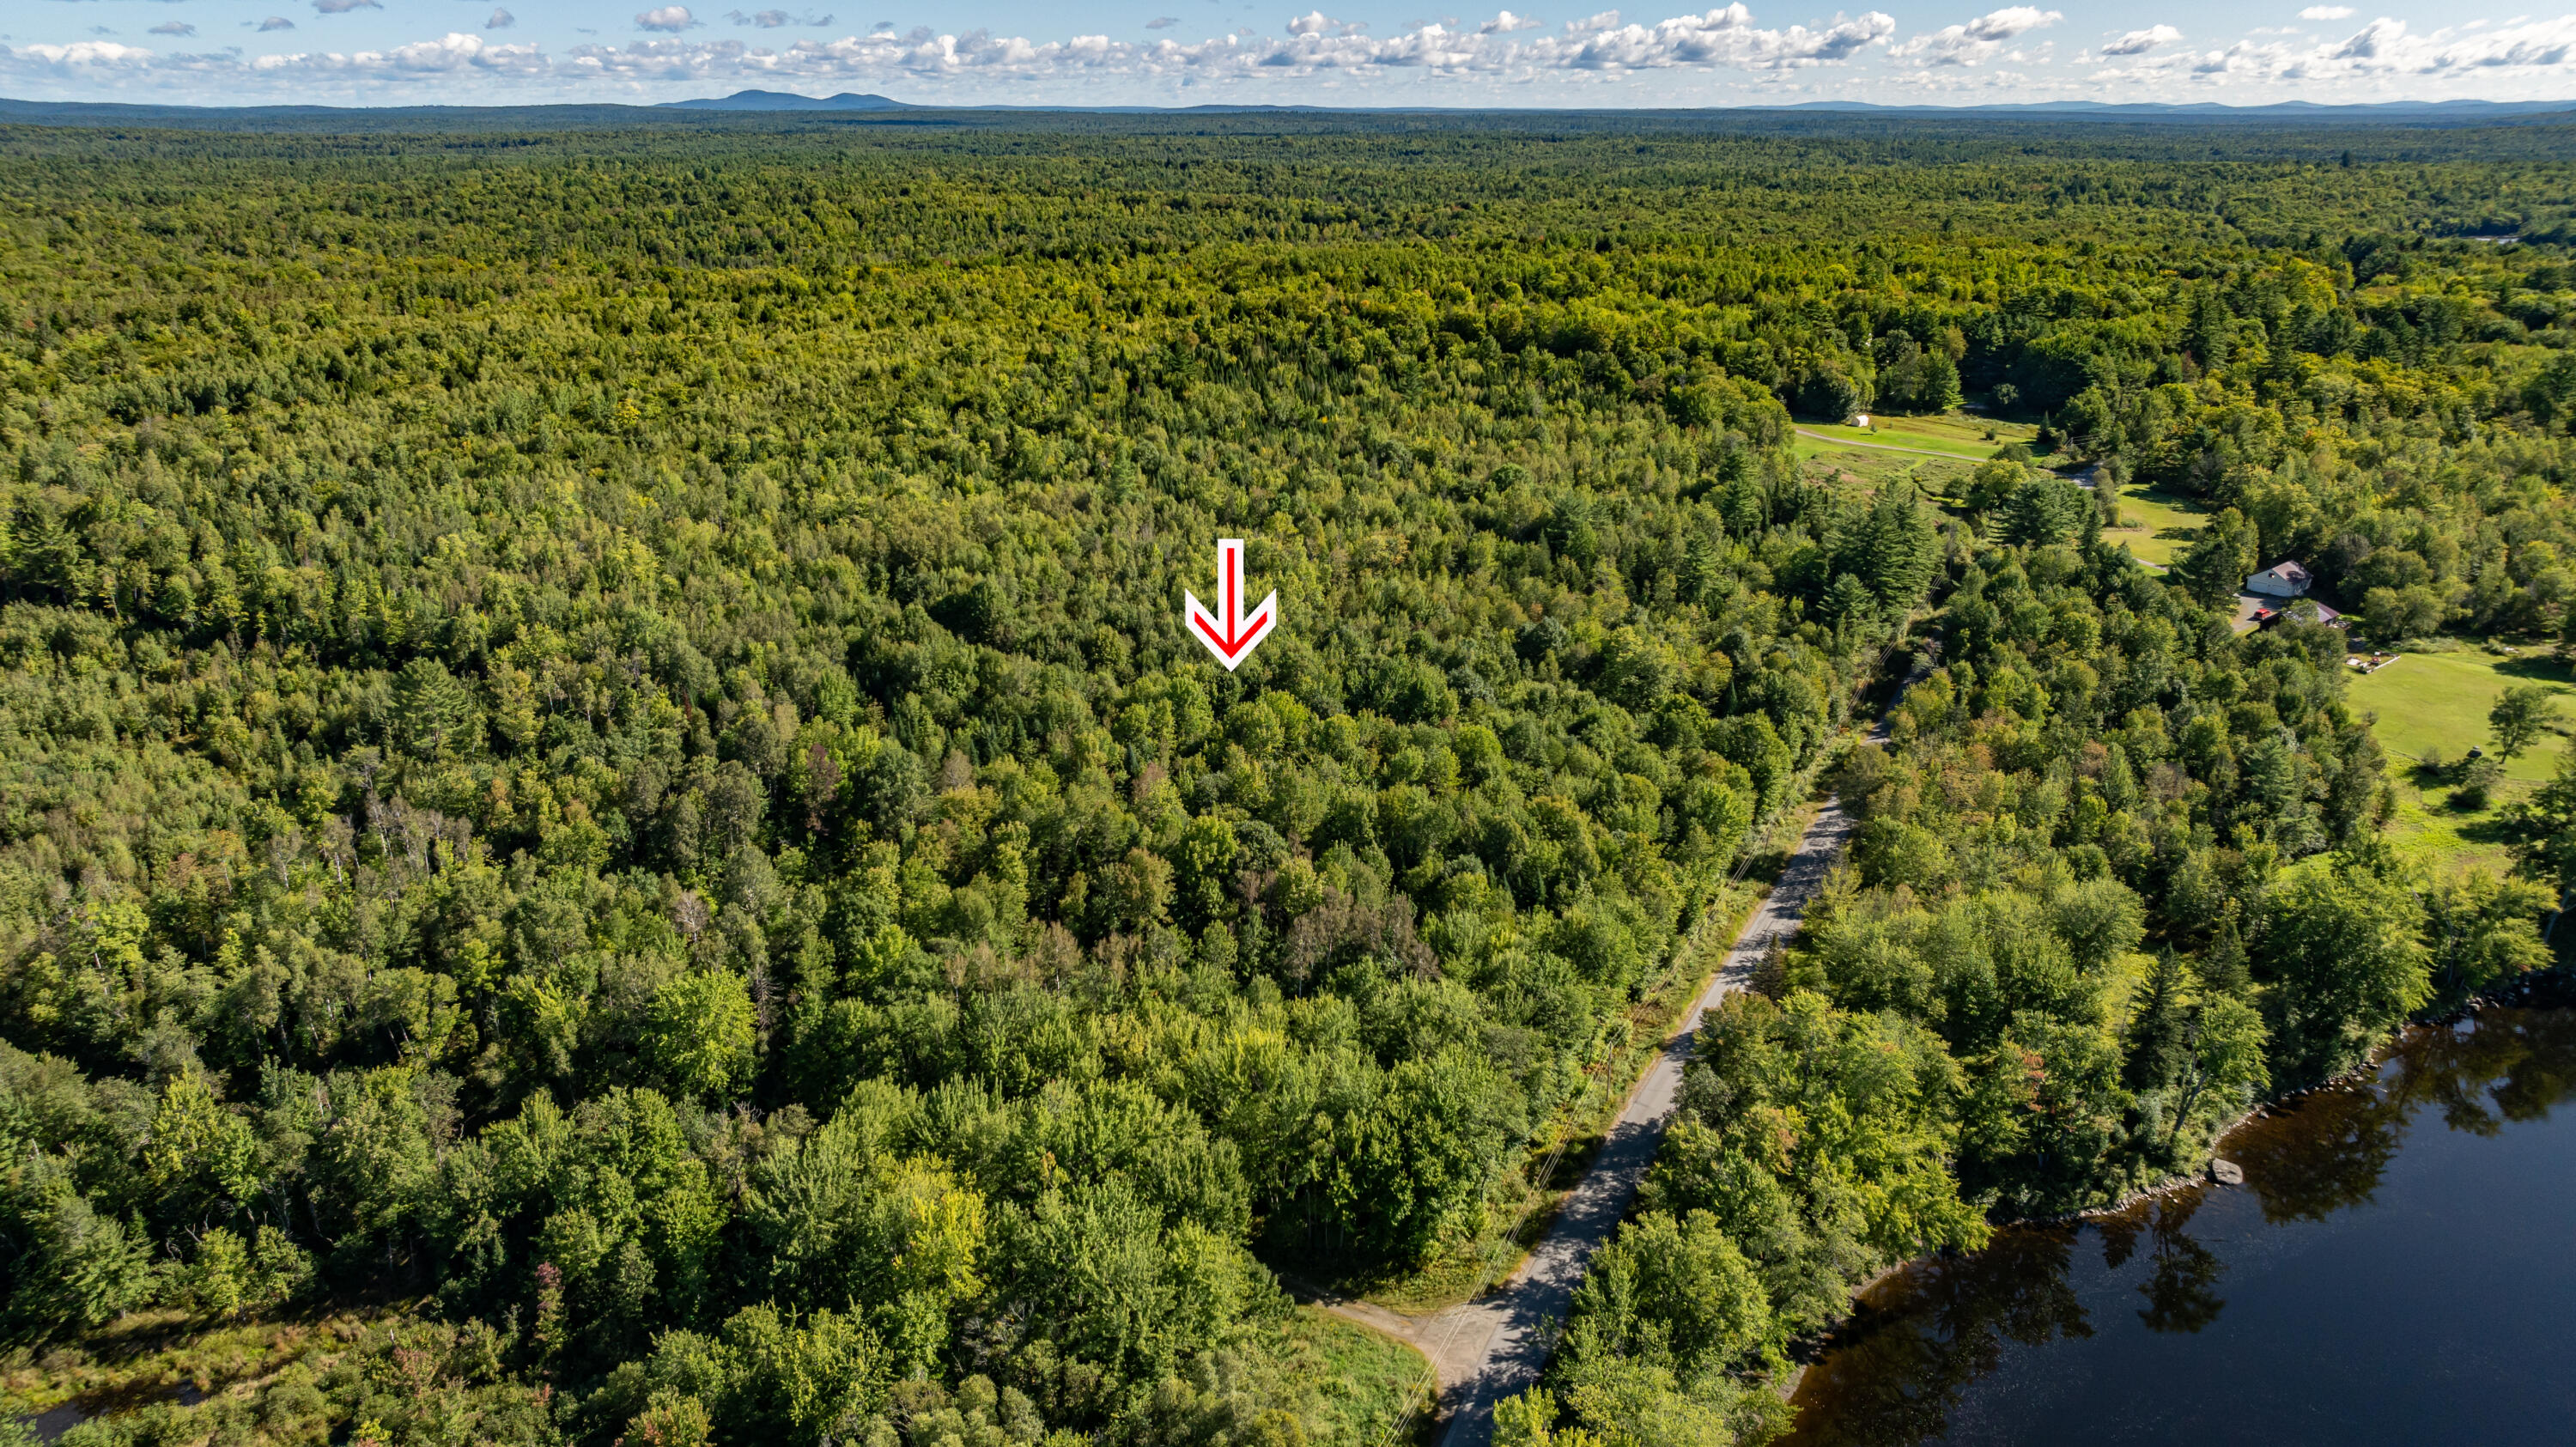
{"x":2281,"y":580}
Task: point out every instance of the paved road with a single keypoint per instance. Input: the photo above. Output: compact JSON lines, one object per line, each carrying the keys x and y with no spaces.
{"x":1495,"y":1347}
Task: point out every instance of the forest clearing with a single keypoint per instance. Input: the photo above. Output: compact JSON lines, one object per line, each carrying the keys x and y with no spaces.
{"x":2165,"y":524}
{"x":2435,"y":704}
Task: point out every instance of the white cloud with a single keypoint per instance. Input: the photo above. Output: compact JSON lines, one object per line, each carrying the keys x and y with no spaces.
{"x":2327,"y":12}
{"x":2364,"y":65}
{"x":1316,"y":44}
{"x":1725,"y":37}
{"x":1316,"y":22}
{"x":501,"y":20}
{"x":2383,"y":47}
{"x":174,"y":27}
{"x":2139,"y":42}
{"x":422,"y":59}
{"x":87,"y":54}
{"x":1656,"y":62}
{"x":1978,"y":40}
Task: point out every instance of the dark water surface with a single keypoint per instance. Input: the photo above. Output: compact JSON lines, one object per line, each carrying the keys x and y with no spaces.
{"x":2399,"y":1267}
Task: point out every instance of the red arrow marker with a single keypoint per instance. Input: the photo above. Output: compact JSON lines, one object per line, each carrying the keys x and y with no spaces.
{"x":1232,"y":637}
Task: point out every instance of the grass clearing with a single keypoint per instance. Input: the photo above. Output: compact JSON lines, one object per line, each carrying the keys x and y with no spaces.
{"x":1959,"y":434}
{"x":1861,"y":467}
{"x":2439,"y":701}
{"x":2427,"y":701}
{"x":1860,"y":455}
{"x":2167,"y":522}
{"x":2444,"y":842}
{"x":1856,"y":459}
{"x":1368,"y":1379}
{"x":163,"y":1356}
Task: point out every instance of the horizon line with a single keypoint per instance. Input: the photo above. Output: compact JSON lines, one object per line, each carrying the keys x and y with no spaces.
{"x":821,"y":104}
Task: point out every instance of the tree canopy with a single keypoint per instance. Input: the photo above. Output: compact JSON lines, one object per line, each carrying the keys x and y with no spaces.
{"x":595,"y":739}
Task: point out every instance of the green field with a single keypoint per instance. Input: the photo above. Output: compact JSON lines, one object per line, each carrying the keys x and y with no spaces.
{"x":1828,"y":462}
{"x":1960,"y":435}
{"x":2164,"y":521}
{"x":1959,"y":438}
{"x":2442,"y":841}
{"x":2439,"y":701}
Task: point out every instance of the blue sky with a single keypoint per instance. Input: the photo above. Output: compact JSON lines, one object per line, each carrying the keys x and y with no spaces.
{"x":1186,"y":52}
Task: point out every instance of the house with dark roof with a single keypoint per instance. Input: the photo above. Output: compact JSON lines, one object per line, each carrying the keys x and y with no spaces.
{"x":2306,"y":610}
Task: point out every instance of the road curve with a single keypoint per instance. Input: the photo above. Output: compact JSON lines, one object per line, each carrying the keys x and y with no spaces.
{"x":1495,"y":1347}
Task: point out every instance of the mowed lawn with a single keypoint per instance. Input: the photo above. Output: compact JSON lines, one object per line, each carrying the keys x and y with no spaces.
{"x":1957,"y":434}
{"x":2429,"y":701}
{"x":1959,"y":439}
{"x":1857,"y":458}
{"x":2165,"y":524}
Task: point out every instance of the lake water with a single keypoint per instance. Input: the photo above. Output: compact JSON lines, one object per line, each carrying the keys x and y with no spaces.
{"x":2399,"y":1267}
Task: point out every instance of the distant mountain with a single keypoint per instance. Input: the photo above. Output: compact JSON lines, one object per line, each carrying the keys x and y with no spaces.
{"x":759,"y":109}
{"x":779,"y":100}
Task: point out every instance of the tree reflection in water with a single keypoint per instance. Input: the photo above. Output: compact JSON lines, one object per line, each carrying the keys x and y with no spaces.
{"x":2325,"y":1151}
{"x":2180,"y":1290}
{"x":1921,"y":1337}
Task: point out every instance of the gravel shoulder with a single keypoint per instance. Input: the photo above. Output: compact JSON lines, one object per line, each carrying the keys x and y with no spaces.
{"x":1494,"y":1347}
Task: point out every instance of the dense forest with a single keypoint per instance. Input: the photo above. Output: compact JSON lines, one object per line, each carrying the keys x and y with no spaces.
{"x":604,"y":805}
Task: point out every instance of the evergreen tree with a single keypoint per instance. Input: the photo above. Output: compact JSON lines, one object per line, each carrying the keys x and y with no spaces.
{"x":2155,"y":1034}
{"x":2215,"y":568}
